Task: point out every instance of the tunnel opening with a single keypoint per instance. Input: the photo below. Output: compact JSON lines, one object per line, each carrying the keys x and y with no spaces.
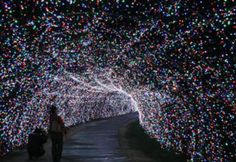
{"x":89,"y":97}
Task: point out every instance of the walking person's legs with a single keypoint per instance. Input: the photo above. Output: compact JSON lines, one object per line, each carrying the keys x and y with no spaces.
{"x":57,"y":144}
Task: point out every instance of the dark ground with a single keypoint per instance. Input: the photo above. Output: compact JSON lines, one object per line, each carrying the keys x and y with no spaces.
{"x":138,"y":140}
{"x":107,"y":140}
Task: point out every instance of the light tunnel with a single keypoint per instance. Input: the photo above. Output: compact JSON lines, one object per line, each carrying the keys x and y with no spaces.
{"x":81,"y":98}
{"x":171,"y":61}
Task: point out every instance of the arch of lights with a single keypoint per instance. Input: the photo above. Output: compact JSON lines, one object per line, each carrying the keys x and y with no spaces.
{"x":86,"y":97}
{"x":181,"y":82}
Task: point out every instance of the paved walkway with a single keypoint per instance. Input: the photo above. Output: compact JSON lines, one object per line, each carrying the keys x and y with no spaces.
{"x":97,"y":141}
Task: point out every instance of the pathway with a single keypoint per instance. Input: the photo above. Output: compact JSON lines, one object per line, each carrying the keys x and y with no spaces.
{"x":97,"y":141}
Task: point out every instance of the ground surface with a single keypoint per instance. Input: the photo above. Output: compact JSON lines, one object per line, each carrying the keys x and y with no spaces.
{"x":98,"y":141}
{"x":137,"y":139}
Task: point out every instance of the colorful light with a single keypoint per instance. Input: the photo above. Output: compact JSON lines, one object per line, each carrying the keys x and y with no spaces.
{"x":173,"y":62}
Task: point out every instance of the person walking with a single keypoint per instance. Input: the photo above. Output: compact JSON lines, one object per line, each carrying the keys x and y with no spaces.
{"x":56,"y":130}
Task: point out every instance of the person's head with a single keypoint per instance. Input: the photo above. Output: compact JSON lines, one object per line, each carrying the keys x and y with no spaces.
{"x":53,"y":109}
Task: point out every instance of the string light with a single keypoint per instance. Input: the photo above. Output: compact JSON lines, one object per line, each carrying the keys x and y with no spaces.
{"x":173,"y":62}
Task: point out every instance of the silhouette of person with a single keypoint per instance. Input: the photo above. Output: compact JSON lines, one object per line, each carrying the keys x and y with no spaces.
{"x":56,"y":130}
{"x":35,"y":143}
